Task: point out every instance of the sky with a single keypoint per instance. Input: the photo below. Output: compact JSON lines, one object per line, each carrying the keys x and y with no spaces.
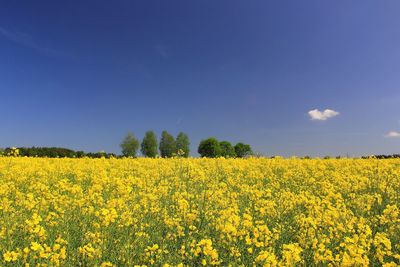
{"x":287,"y":77}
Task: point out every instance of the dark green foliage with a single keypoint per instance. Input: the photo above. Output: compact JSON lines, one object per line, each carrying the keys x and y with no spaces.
{"x":209,"y":148}
{"x":182,"y":144}
{"x":394,"y":156}
{"x":56,"y":152}
{"x":227,"y":150}
{"x":243,"y":150}
{"x":100,"y":155}
{"x":167,"y":145}
{"x":80,"y":154}
{"x":129,"y":145}
{"x":149,"y":147}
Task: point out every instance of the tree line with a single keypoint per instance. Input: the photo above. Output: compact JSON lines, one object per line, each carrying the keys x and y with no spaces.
{"x":168,"y":146}
{"x":53,"y":152}
{"x":179,"y":146}
{"x":149,"y":147}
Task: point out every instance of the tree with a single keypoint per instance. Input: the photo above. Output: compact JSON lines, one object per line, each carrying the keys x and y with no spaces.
{"x":209,"y":148}
{"x":243,"y":150}
{"x":149,"y":145}
{"x":227,"y":150}
{"x":167,"y":145}
{"x":182,"y":144}
{"x":129,"y":145}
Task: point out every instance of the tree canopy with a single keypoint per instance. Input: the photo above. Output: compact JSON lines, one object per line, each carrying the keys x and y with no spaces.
{"x":167,"y":145}
{"x":243,"y":150}
{"x":227,"y":150}
{"x":209,"y":148}
{"x":149,"y":147}
{"x":182,"y":144}
{"x":129,"y":145}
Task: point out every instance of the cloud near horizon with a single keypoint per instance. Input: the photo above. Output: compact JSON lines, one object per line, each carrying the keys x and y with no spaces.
{"x":315,"y":114}
{"x":393,"y":134}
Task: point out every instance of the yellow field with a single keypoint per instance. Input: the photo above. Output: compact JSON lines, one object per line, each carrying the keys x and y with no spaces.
{"x":188,"y":212}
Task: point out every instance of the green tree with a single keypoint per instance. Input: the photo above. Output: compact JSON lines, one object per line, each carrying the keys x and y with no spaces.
{"x":167,"y":145}
{"x":149,"y":145}
{"x":243,"y":150}
{"x":129,"y":145}
{"x":209,"y":148}
{"x":227,"y":150}
{"x":182,"y":144}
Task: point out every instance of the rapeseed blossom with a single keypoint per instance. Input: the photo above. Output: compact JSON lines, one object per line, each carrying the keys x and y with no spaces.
{"x":199,"y":212}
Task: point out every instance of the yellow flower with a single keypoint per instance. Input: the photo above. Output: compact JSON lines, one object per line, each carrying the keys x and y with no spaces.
{"x":36,"y":246}
{"x":291,"y":253}
{"x":10,"y":256}
{"x":107,"y":264}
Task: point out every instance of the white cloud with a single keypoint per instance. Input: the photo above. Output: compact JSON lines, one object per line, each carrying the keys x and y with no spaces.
{"x":392,"y":134}
{"x":315,"y":114}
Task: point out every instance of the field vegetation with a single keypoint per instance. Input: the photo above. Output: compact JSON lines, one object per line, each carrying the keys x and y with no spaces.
{"x":199,"y":212}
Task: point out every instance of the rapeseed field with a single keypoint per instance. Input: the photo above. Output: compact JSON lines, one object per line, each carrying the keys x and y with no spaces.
{"x":199,"y":212}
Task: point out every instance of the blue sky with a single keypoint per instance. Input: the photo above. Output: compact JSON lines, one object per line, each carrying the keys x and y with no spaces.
{"x":81,"y":74}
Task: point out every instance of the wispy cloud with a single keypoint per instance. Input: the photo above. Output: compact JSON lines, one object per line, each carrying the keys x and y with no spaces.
{"x":392,"y":134}
{"x":162,"y":50}
{"x":315,"y":114}
{"x":27,"y":40}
